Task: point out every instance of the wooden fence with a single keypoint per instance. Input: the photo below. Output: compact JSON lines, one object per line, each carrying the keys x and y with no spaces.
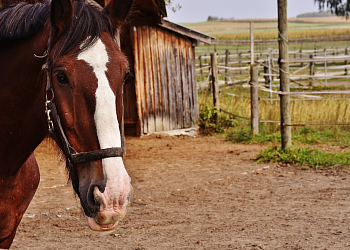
{"x":255,"y":86}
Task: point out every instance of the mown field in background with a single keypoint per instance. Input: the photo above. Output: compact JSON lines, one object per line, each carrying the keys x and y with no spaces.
{"x":267,"y":29}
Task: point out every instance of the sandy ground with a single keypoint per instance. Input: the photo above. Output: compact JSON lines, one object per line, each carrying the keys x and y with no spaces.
{"x":196,"y":193}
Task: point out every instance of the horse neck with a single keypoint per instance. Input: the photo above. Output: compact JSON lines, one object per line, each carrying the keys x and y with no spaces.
{"x":22,"y":99}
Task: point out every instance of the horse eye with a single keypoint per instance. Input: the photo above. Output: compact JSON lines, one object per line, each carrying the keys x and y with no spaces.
{"x":127,"y":75}
{"x":62,"y":78}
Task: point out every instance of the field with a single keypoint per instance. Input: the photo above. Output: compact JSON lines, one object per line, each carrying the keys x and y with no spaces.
{"x":196,"y":193}
{"x":267,"y":29}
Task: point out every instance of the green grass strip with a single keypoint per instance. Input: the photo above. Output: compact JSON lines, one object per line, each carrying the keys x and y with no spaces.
{"x":311,"y":157}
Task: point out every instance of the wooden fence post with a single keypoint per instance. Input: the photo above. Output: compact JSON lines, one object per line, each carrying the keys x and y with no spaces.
{"x":227,"y":60}
{"x":272,"y":67}
{"x":301,"y":57}
{"x":200,"y":65}
{"x":266,"y":72}
{"x":215,"y":83}
{"x":251,"y":44}
{"x":286,"y":132}
{"x":312,"y":70}
{"x":254,"y":95}
{"x":315,"y":50}
{"x":346,"y":61}
{"x":240,"y":62}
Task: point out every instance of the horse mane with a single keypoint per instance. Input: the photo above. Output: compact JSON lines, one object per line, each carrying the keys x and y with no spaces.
{"x":23,"y":20}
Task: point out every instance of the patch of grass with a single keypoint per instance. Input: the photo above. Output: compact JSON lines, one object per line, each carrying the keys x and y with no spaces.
{"x":207,"y":121}
{"x":313,"y":158}
{"x":303,"y":136}
{"x":330,"y":136}
{"x":244,"y":136}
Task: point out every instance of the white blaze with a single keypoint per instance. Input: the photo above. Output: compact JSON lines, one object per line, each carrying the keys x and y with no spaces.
{"x":106,"y":121}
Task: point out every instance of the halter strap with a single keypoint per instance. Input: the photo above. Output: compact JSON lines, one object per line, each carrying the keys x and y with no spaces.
{"x":72,"y":155}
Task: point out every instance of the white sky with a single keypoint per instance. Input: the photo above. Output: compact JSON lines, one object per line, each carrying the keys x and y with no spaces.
{"x":199,"y":10}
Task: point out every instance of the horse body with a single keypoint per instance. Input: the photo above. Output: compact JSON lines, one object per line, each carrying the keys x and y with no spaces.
{"x":17,"y":192}
{"x":19,"y":175}
{"x":87,"y":78}
{"x":17,"y":109}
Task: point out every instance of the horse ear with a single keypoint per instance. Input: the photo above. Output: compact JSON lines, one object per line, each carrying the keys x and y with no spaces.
{"x":118,"y":11}
{"x":61,"y":15}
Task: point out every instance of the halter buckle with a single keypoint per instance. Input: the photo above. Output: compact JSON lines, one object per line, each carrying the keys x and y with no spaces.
{"x":48,"y":112}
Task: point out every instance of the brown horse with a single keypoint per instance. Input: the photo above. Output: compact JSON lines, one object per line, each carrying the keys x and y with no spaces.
{"x":62,"y":73}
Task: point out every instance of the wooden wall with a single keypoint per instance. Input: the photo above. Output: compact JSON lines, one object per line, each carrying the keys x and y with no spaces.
{"x":165,"y":79}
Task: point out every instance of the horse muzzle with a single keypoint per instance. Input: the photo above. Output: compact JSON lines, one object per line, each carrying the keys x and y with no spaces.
{"x":111,"y":210}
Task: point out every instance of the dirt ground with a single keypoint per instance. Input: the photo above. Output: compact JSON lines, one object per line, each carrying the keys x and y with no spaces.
{"x":196,"y":193}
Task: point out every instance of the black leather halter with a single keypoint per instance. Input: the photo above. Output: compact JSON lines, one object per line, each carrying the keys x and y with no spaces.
{"x":57,"y":133}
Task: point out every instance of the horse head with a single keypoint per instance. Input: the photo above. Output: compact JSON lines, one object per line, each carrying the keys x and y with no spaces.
{"x":86,"y":86}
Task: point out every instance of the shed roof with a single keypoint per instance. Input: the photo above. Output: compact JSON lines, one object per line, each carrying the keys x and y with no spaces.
{"x":154,"y":11}
{"x":190,"y":33}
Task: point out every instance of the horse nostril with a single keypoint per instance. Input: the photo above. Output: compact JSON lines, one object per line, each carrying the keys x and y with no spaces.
{"x":92,"y":199}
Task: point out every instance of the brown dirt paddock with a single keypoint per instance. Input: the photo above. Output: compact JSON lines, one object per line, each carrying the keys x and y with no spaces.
{"x":196,"y":193}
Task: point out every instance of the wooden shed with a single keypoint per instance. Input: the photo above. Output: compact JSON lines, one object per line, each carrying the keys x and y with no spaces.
{"x":162,"y":95}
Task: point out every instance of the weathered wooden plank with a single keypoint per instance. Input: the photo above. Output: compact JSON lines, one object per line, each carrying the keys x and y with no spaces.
{"x":177,"y":78}
{"x":195,"y":112}
{"x":148,"y":79}
{"x":163,"y":79}
{"x":156,"y":79}
{"x":190,"y":82}
{"x":170,"y":64}
{"x":134,"y":39}
{"x":142,"y":76}
{"x":184,"y":81}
